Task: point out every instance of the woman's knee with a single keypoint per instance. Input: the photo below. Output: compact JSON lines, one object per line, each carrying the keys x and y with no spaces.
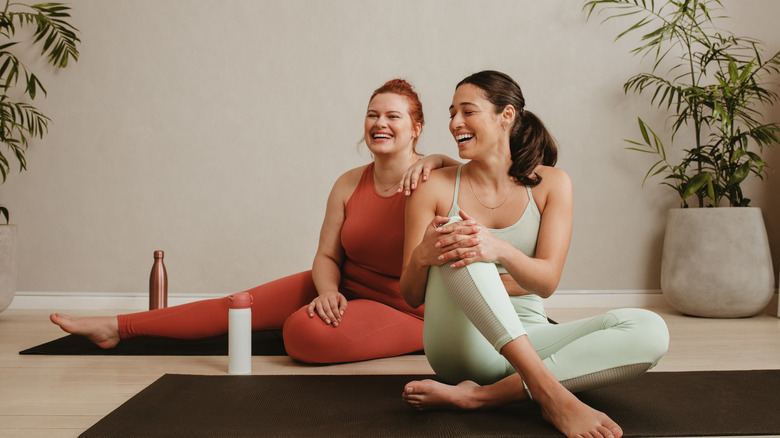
{"x":652,"y":334}
{"x":304,"y":337}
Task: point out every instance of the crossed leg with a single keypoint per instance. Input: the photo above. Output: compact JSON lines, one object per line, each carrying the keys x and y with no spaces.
{"x":462,"y":302}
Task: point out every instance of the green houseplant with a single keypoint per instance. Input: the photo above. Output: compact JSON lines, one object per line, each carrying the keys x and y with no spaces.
{"x":25,"y":30}
{"x":57,"y":40}
{"x":713,"y":86}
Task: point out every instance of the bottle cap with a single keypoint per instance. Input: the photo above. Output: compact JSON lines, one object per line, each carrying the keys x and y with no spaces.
{"x":241,"y":300}
{"x":158,"y":254}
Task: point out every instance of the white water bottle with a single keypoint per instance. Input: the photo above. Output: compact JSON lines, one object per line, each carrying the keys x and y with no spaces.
{"x":240,"y":334}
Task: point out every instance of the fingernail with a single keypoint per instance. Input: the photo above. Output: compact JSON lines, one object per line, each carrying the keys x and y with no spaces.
{"x":441,"y":257}
{"x":327,"y":321}
{"x":438,"y":244}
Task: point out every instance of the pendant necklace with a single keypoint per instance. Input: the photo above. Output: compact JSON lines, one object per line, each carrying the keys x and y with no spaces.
{"x":483,"y":204}
{"x":382,"y":189}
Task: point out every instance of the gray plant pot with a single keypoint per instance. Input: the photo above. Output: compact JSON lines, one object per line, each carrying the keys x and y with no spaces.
{"x":7,"y":265}
{"x":716,"y":262}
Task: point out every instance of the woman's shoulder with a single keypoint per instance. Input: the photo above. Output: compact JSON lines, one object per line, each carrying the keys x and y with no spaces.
{"x":439,"y":180}
{"x":346,"y":184}
{"x":436,"y":193}
{"x":555,"y":185}
{"x":553,"y":177}
{"x":444,"y":175}
{"x":352,"y":175}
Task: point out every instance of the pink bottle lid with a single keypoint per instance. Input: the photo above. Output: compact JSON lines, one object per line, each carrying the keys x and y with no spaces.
{"x":241,"y":300}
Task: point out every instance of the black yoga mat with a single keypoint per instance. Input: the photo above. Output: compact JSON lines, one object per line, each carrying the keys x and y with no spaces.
{"x":656,"y":404}
{"x":264,"y":343}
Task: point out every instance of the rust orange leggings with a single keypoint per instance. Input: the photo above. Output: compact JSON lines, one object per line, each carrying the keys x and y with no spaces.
{"x":368,"y":329}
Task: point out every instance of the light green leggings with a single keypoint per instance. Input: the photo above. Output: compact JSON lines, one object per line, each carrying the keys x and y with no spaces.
{"x":469,"y":317}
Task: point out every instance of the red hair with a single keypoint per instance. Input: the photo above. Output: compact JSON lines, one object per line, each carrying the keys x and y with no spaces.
{"x":405,"y":89}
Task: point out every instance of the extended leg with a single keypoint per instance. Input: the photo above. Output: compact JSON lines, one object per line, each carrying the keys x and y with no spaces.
{"x":273,"y":303}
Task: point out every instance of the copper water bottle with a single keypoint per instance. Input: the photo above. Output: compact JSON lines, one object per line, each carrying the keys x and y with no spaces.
{"x":158,"y":283}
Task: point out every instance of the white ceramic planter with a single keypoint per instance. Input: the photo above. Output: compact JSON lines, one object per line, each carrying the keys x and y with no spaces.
{"x":7,"y":265}
{"x":716,"y":262}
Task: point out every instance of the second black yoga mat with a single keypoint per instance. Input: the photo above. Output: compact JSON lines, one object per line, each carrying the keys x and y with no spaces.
{"x":265,"y":343}
{"x":656,"y":404}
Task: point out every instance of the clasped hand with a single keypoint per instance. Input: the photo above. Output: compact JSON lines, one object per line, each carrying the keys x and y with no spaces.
{"x":463,"y":242}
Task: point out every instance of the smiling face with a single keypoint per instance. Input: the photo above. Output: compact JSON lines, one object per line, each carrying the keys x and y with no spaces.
{"x":474,"y":122}
{"x":388,"y":127}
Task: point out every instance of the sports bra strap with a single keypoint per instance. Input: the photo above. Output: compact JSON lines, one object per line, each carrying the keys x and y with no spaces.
{"x":457,"y":186}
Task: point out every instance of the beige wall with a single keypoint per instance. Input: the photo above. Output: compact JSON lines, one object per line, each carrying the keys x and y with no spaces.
{"x":214,"y":129}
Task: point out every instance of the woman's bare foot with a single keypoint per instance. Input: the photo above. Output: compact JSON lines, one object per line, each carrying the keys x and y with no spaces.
{"x":561,"y":408}
{"x":575,"y":419}
{"x":428,"y":395}
{"x":103,"y":331}
{"x":432,"y":395}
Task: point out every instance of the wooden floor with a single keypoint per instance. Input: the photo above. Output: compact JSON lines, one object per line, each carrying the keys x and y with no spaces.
{"x":61,"y":396}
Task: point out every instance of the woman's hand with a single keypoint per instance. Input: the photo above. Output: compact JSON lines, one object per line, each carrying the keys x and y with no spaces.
{"x":427,"y":252}
{"x":329,"y":306}
{"x":419,"y":172}
{"x":467,"y":242}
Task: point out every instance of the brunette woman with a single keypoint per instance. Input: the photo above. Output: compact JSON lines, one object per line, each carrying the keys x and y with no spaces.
{"x":485,"y":243}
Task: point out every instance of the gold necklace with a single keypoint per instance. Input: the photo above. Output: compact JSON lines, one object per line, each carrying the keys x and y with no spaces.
{"x":482,"y":203}
{"x":382,"y":189}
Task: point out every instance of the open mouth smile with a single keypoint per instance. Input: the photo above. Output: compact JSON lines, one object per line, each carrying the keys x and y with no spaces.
{"x":381,"y":136}
{"x":463,"y":138}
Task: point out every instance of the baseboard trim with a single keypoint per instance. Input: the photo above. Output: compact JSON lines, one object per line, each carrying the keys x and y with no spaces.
{"x":140,"y":301}
{"x":133,"y":301}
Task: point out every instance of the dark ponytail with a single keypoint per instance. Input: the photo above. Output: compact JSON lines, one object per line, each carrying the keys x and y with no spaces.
{"x":530,"y":143}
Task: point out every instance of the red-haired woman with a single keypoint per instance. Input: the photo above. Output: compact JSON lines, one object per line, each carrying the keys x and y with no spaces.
{"x":348,"y":307}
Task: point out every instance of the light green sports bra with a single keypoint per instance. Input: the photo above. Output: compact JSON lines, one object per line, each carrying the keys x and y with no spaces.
{"x":522,"y":234}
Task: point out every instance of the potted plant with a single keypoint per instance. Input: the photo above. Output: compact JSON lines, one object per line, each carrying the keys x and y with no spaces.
{"x":716,"y":261}
{"x":46,"y":27}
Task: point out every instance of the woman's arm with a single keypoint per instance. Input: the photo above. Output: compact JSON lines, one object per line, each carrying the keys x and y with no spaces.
{"x":326,"y":268}
{"x":421,"y":170}
{"x":539,"y":275}
{"x":420,"y":252}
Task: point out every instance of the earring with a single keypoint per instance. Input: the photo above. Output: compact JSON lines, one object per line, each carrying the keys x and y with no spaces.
{"x":505,"y":125}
